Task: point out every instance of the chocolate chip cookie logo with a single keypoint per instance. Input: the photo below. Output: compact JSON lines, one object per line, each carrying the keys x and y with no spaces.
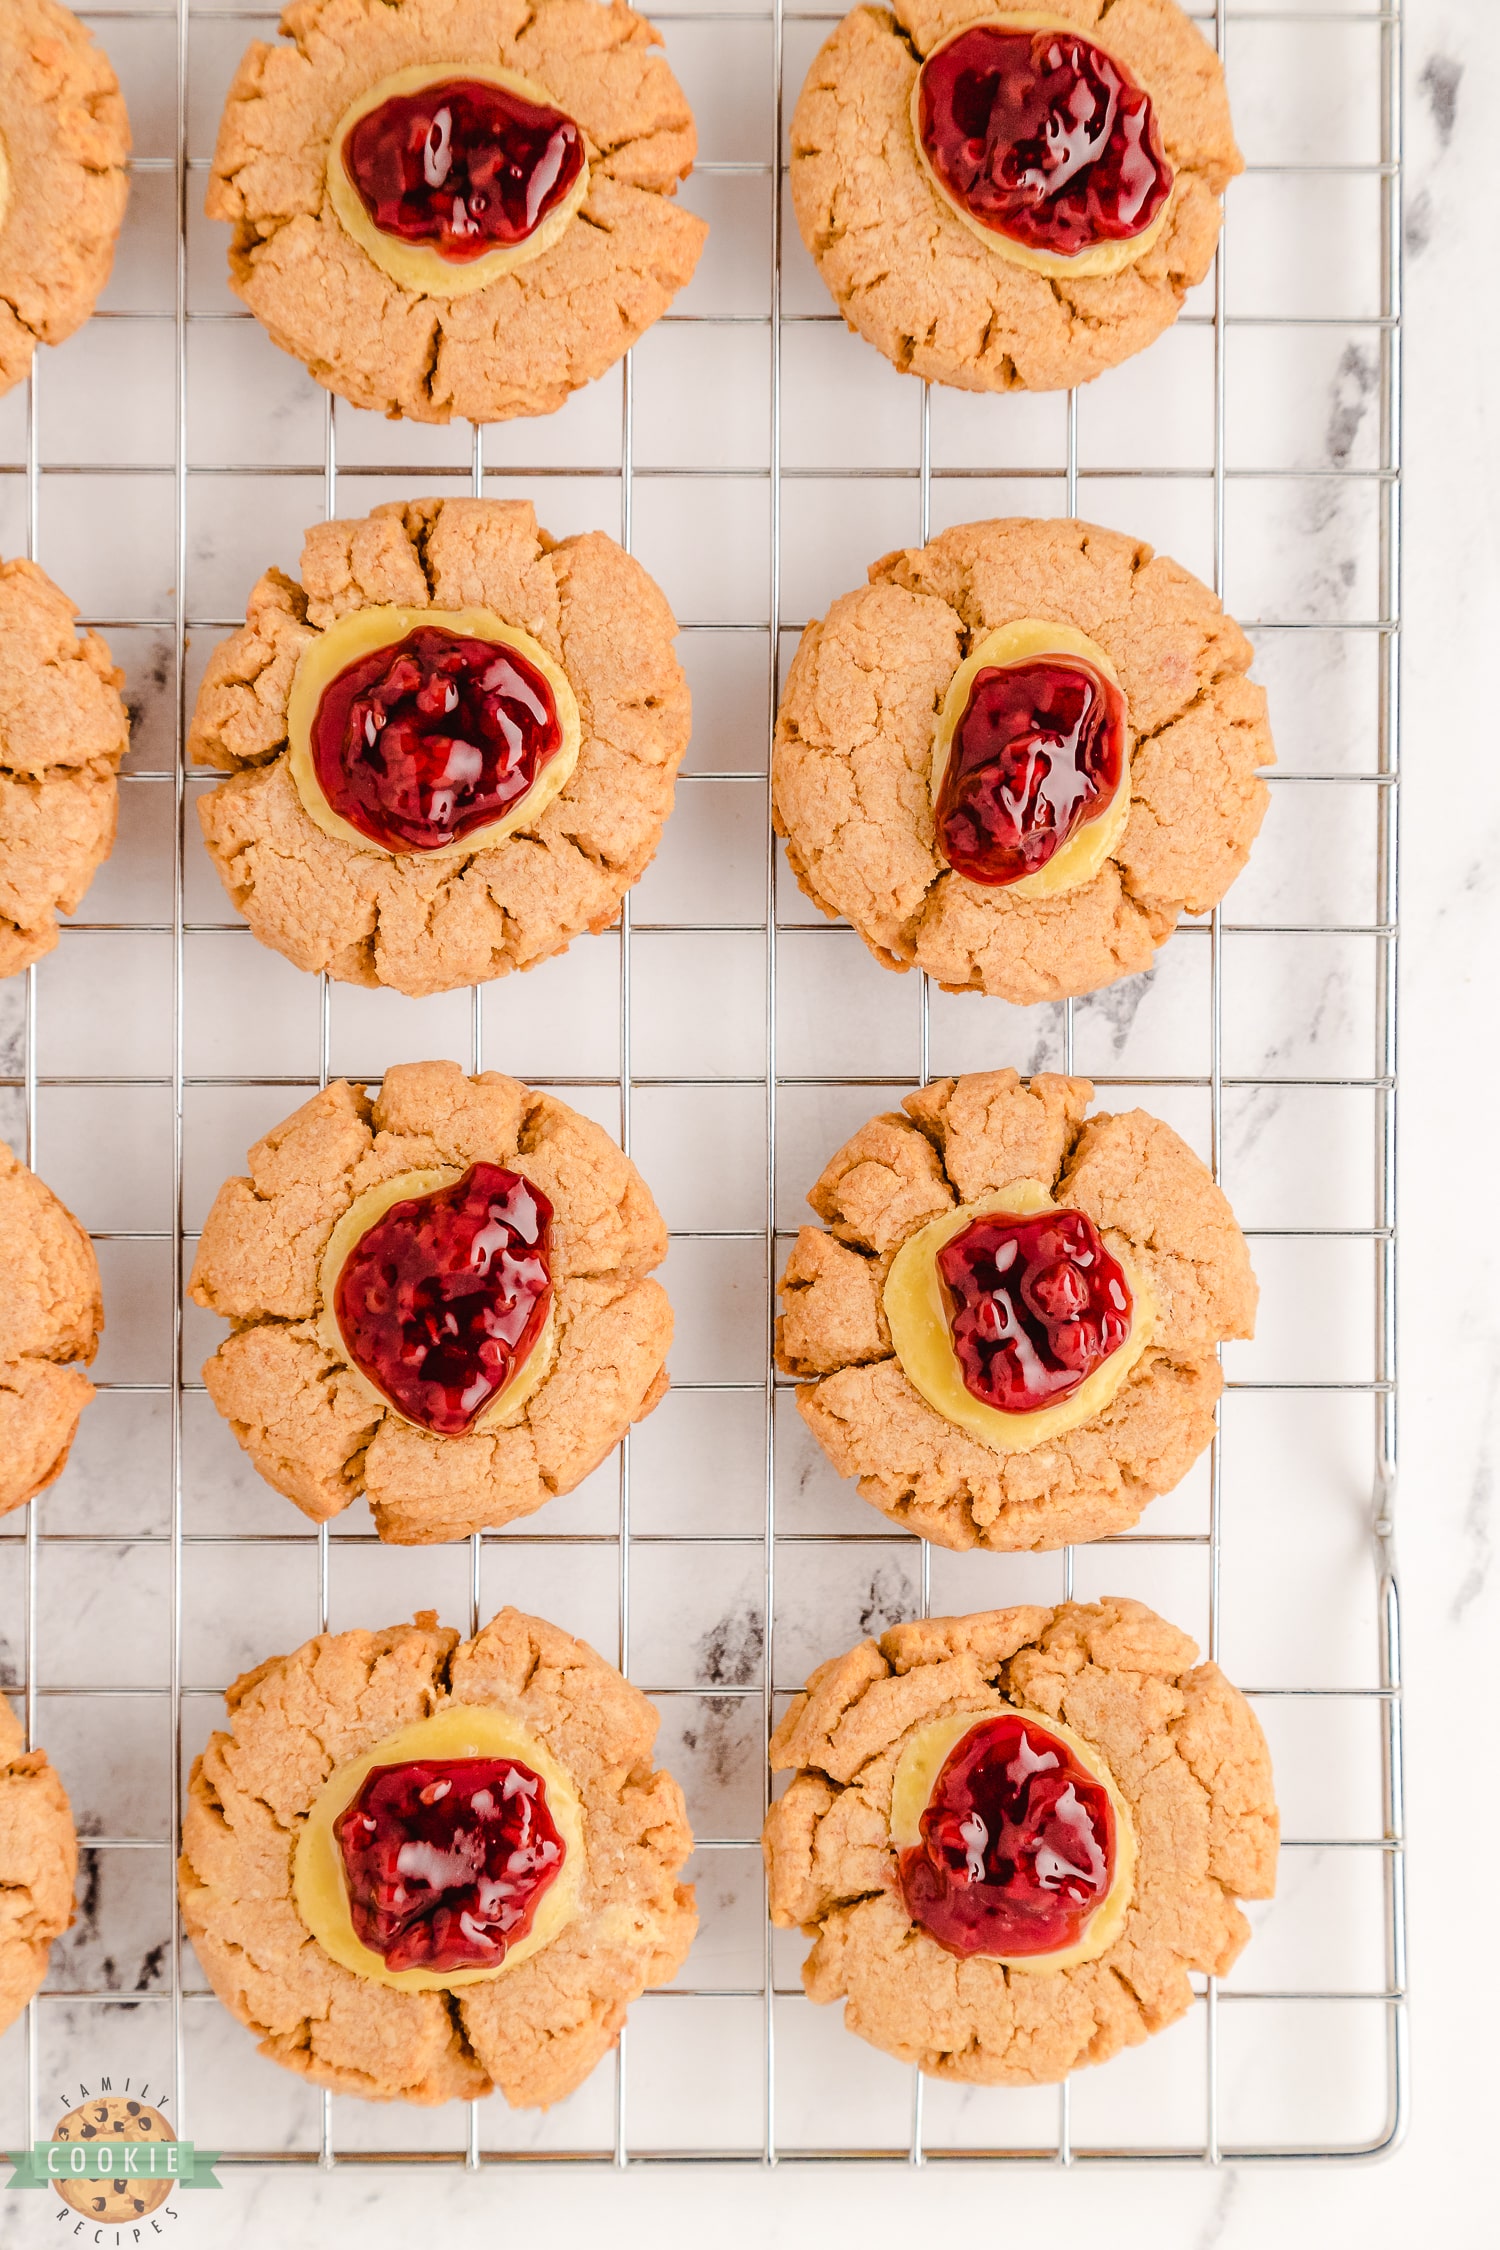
{"x":114,"y":2160}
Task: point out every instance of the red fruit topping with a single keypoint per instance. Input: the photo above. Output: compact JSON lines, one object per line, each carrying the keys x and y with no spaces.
{"x":462,"y":166}
{"x":1039,"y":750}
{"x":1035,"y":1304}
{"x":442,"y":1298}
{"x":1018,"y":1845}
{"x":447,"y":1859}
{"x":1042,"y":137}
{"x":425,"y":740}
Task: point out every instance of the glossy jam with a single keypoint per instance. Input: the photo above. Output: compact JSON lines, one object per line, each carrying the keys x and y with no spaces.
{"x":418,"y":744}
{"x":1039,"y":750}
{"x":441,"y":1300}
{"x":1034,"y":1305}
{"x":446,"y":1860}
{"x":1018,"y":1845}
{"x":462,"y":166}
{"x":1043,"y":138}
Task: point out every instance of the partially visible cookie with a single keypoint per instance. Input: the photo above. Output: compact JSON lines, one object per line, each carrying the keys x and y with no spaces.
{"x":63,"y":732}
{"x":1059,"y":1369}
{"x":1066,"y":1795}
{"x":535,"y":237}
{"x":525,"y":1334}
{"x":64,"y":138}
{"x":510,"y":1951}
{"x":884,"y":684}
{"x":38,"y":1866}
{"x":51,"y":1315}
{"x":949,"y":298}
{"x":507,"y":821}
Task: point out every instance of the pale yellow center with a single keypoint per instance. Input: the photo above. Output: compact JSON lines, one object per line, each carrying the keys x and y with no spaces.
{"x":923,"y":1758}
{"x":362,"y":632}
{"x":420,"y":266}
{"x":319,"y":1886}
{"x":917,"y":1315}
{"x":1028,"y":640}
{"x":526,"y":1377}
{"x":1100,"y":257}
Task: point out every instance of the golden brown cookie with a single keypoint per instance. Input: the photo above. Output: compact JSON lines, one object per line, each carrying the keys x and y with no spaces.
{"x":51,"y":1316}
{"x":979,"y":1480}
{"x":274,"y":1255}
{"x":63,"y":731}
{"x":524,"y":340}
{"x":853,"y":767}
{"x":427,"y":919}
{"x":38,"y":1866}
{"x":64,"y":138}
{"x":918,"y":281}
{"x":263,"y":1861}
{"x":1191,"y":1792}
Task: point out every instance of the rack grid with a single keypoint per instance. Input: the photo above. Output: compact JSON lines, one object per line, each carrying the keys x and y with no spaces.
{"x":778,"y":1556}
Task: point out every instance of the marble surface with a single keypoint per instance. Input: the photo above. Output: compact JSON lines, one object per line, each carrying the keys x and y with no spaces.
{"x":1298,"y":1590}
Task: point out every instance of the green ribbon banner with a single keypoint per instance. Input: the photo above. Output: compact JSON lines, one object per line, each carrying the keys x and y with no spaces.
{"x":49,"y":2163}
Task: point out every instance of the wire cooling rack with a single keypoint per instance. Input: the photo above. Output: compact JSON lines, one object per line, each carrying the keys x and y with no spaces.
{"x":756,"y":457}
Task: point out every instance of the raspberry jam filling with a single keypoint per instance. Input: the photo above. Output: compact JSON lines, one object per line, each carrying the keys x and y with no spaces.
{"x":442,"y":1299}
{"x":1034,"y":1305}
{"x":421,"y":742}
{"x":462,"y":166}
{"x":1039,"y":751}
{"x":1043,"y":137}
{"x":447,"y":1859}
{"x":1018,"y":1845}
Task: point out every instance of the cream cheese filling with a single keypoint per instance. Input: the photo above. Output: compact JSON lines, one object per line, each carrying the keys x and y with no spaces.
{"x":508,"y":1404}
{"x":360,"y":634}
{"x":1028,"y":640}
{"x":917,"y":1316}
{"x":923,"y":1758}
{"x":1099,"y":257}
{"x":419,"y":266}
{"x":320,"y":1887}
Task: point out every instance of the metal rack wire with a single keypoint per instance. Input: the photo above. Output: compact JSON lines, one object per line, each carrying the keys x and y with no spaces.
{"x":781,"y":1549}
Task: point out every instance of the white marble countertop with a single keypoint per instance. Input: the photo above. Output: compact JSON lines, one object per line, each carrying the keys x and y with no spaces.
{"x":1450,"y":1381}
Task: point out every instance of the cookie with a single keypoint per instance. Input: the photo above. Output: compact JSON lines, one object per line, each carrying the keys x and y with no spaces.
{"x":1018,"y":754}
{"x":1046,"y":249}
{"x":38,"y":1866}
{"x":124,"y":2197}
{"x":51,"y":1317}
{"x":1013,"y":1836}
{"x":525,"y":1334}
{"x":1008,"y":1333}
{"x":374,"y":829}
{"x":64,"y":138}
{"x":431,"y":1981}
{"x":337,"y":163}
{"x":63,"y":731}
